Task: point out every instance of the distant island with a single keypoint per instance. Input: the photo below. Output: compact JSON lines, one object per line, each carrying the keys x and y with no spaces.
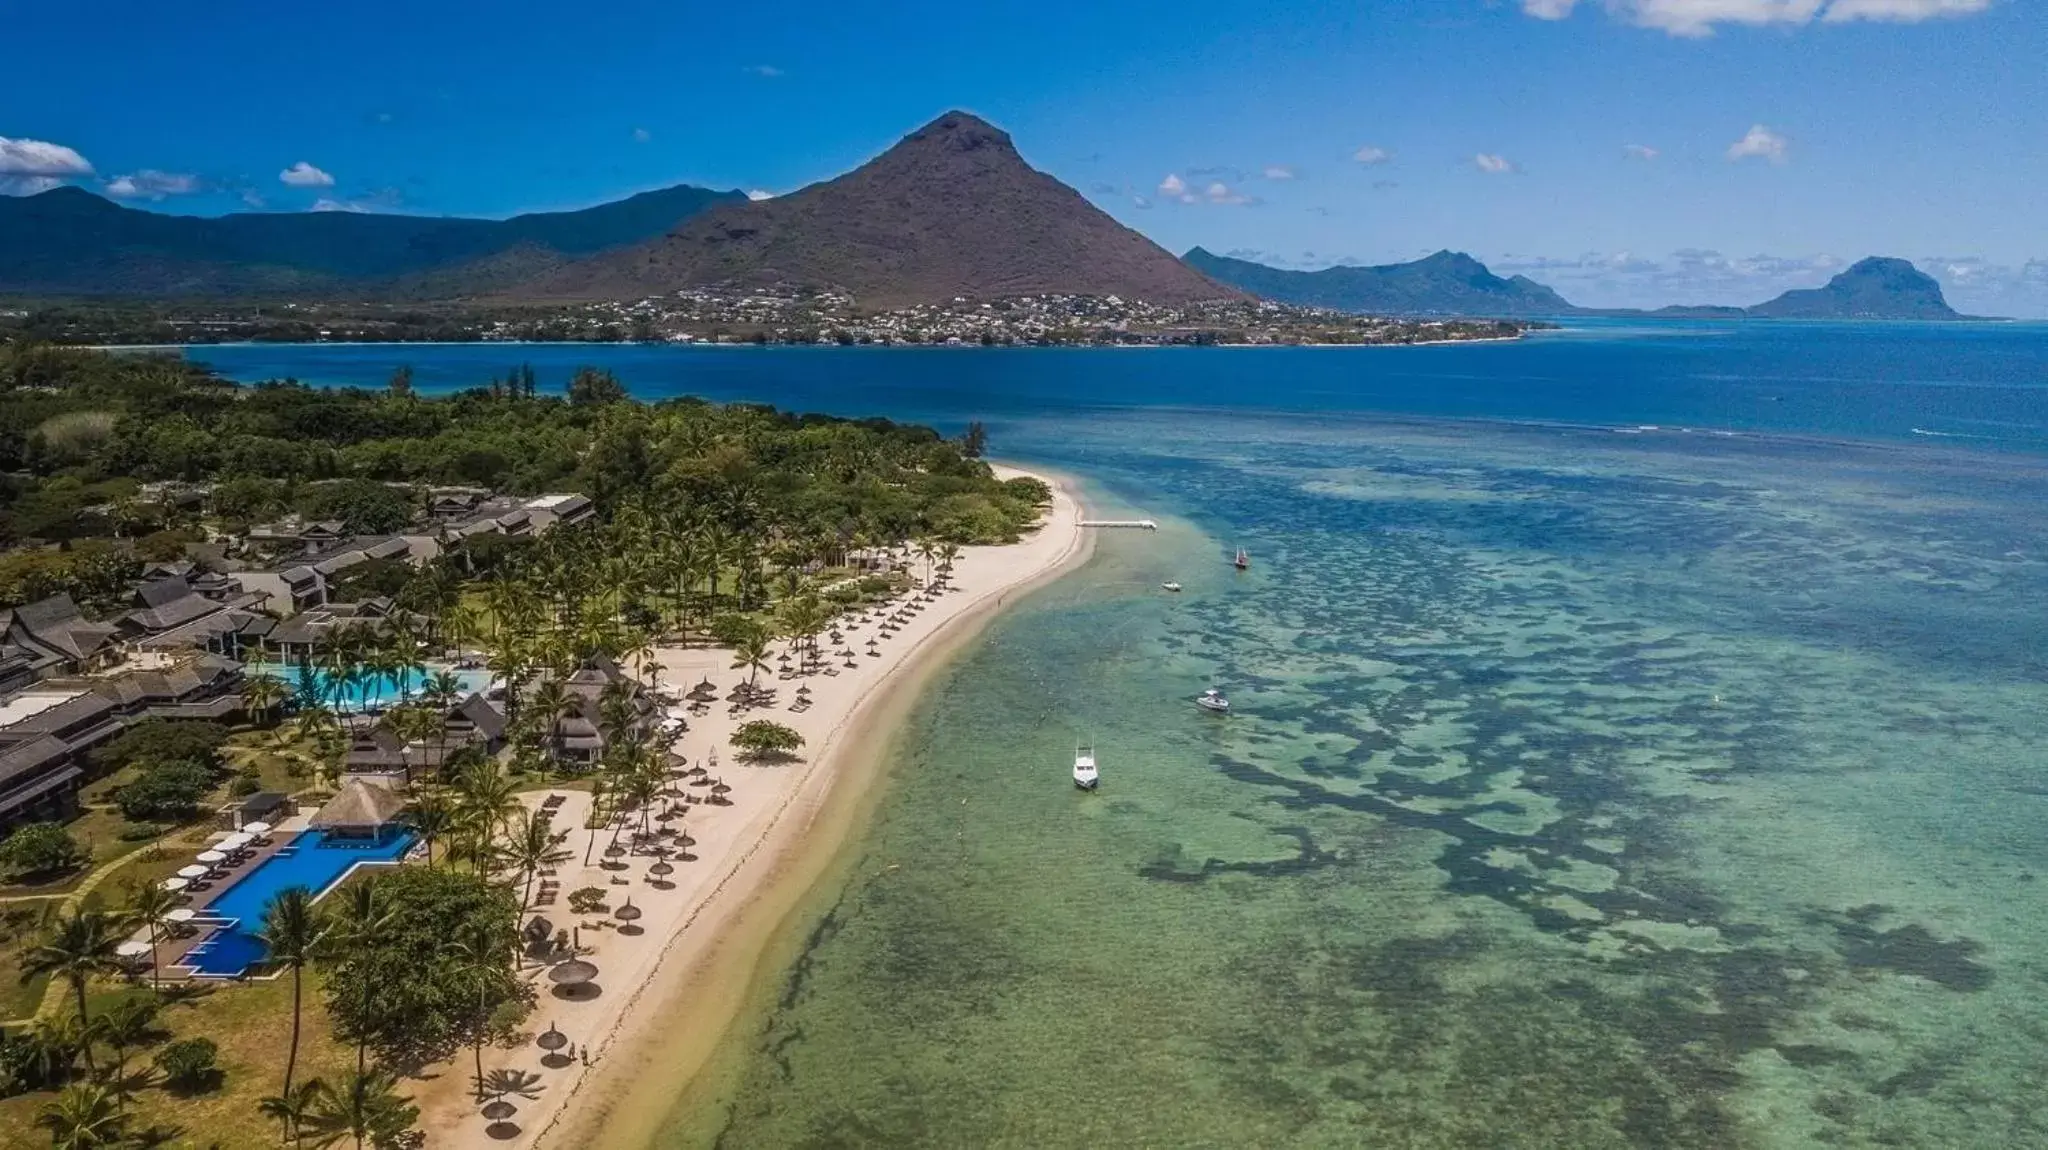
{"x":1455,"y":284}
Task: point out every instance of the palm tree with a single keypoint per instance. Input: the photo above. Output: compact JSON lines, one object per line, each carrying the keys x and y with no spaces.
{"x":294,"y":933}
{"x":364,"y":1106}
{"x":150,"y":907}
{"x":85,"y":1116}
{"x":535,"y":846}
{"x":553,"y":703}
{"x":489,"y":798}
{"x":751,"y":653}
{"x":443,"y":691}
{"x":926,"y":551}
{"x":948,"y":552}
{"x":293,"y":1108}
{"x":124,"y":1026}
{"x":362,"y":922}
{"x":263,"y":696}
{"x":53,"y":1046}
{"x":79,"y":946}
{"x":480,"y":952}
{"x":432,"y":816}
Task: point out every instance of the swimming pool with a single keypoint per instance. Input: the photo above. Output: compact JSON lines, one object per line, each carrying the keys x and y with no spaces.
{"x":365,"y":692}
{"x":312,"y":860}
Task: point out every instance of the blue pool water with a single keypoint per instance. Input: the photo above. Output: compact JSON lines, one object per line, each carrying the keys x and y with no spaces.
{"x":368,"y":692}
{"x":312,"y":861}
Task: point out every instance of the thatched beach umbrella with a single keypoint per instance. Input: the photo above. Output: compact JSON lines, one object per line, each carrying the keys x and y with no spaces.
{"x":212,"y":858}
{"x":500,"y":1110}
{"x":182,"y":915}
{"x":551,"y":1039}
{"x":719,"y":788}
{"x":574,"y":972}
{"x":629,"y":912}
{"x":661,"y":868}
{"x":614,"y":851}
{"x":188,"y":873}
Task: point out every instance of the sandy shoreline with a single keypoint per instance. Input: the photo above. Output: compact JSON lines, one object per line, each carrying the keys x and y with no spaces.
{"x":673,"y":986}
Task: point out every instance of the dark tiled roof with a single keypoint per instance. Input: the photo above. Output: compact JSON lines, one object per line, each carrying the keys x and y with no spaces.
{"x":158,"y":592}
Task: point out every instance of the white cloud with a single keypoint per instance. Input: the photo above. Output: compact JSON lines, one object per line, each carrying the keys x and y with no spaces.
{"x":31,"y":166}
{"x":1759,"y":142}
{"x":1639,"y":152}
{"x":150,"y":184}
{"x":642,"y":135}
{"x":1701,"y":17}
{"x":1222,"y":193}
{"x":1279,"y":172}
{"x":765,"y":71}
{"x":1175,"y":188}
{"x":253,"y":199}
{"x":305,"y":175}
{"x":1492,"y":164}
{"x":323,"y":204}
{"x":758,"y":194}
{"x":1140,"y":202}
{"x":1900,"y":11}
{"x":20,"y":157}
{"x":1370,"y":155}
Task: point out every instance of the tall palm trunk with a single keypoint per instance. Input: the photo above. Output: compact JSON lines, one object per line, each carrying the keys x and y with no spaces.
{"x":291,"y":1058}
{"x":85,"y":1048}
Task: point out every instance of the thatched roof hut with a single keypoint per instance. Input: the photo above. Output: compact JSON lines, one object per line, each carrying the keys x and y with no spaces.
{"x":362,"y":807}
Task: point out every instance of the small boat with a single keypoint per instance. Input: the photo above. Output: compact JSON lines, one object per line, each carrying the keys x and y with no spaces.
{"x":1085,"y":776}
{"x":1243,"y":560}
{"x":1213,"y":700}
{"x":1170,"y":585}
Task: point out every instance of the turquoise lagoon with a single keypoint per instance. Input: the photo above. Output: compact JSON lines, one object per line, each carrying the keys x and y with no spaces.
{"x":1588,"y":783}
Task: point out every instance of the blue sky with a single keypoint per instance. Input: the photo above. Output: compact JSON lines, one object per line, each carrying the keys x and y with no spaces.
{"x":1626,"y":151}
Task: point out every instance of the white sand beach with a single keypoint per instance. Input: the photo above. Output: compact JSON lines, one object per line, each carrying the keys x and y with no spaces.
{"x":672,"y":980}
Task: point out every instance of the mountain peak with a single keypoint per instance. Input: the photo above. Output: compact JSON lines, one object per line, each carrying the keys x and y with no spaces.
{"x":950,"y":210}
{"x":958,"y":131}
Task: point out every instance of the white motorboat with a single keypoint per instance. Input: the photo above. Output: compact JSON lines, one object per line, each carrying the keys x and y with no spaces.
{"x":1085,"y":776}
{"x":1213,"y":700}
{"x":1170,"y":585}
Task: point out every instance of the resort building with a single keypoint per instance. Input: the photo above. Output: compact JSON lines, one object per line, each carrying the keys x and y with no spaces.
{"x":378,"y":750}
{"x":45,"y":734}
{"x":580,"y":734}
{"x":285,"y":590}
{"x":201,"y":686}
{"x":296,"y":639}
{"x":49,"y":637}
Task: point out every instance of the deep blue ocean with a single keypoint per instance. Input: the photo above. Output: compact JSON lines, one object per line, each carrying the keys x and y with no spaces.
{"x":1639,"y":738}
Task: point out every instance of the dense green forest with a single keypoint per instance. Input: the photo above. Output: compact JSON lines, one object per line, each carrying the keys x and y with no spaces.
{"x":116,"y":458}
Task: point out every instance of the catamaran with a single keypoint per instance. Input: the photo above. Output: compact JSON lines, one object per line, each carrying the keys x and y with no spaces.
{"x":1213,"y":700}
{"x":1243,"y":560}
{"x":1085,"y":776}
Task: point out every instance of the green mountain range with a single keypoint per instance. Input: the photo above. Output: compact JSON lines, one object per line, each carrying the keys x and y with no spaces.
{"x":70,"y":242}
{"x":1447,"y":283}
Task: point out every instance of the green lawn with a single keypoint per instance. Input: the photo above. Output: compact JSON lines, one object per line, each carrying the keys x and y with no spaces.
{"x":251,"y":1023}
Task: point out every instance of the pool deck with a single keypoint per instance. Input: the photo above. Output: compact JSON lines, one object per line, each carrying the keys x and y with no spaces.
{"x":181,"y":940}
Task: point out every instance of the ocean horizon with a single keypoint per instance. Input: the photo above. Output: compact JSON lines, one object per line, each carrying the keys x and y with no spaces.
{"x":1636,"y":740}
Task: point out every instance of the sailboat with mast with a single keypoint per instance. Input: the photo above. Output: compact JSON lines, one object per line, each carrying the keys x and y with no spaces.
{"x":1243,"y":561}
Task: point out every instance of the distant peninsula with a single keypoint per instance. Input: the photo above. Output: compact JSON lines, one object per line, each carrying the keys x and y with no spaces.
{"x":1455,"y":284}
